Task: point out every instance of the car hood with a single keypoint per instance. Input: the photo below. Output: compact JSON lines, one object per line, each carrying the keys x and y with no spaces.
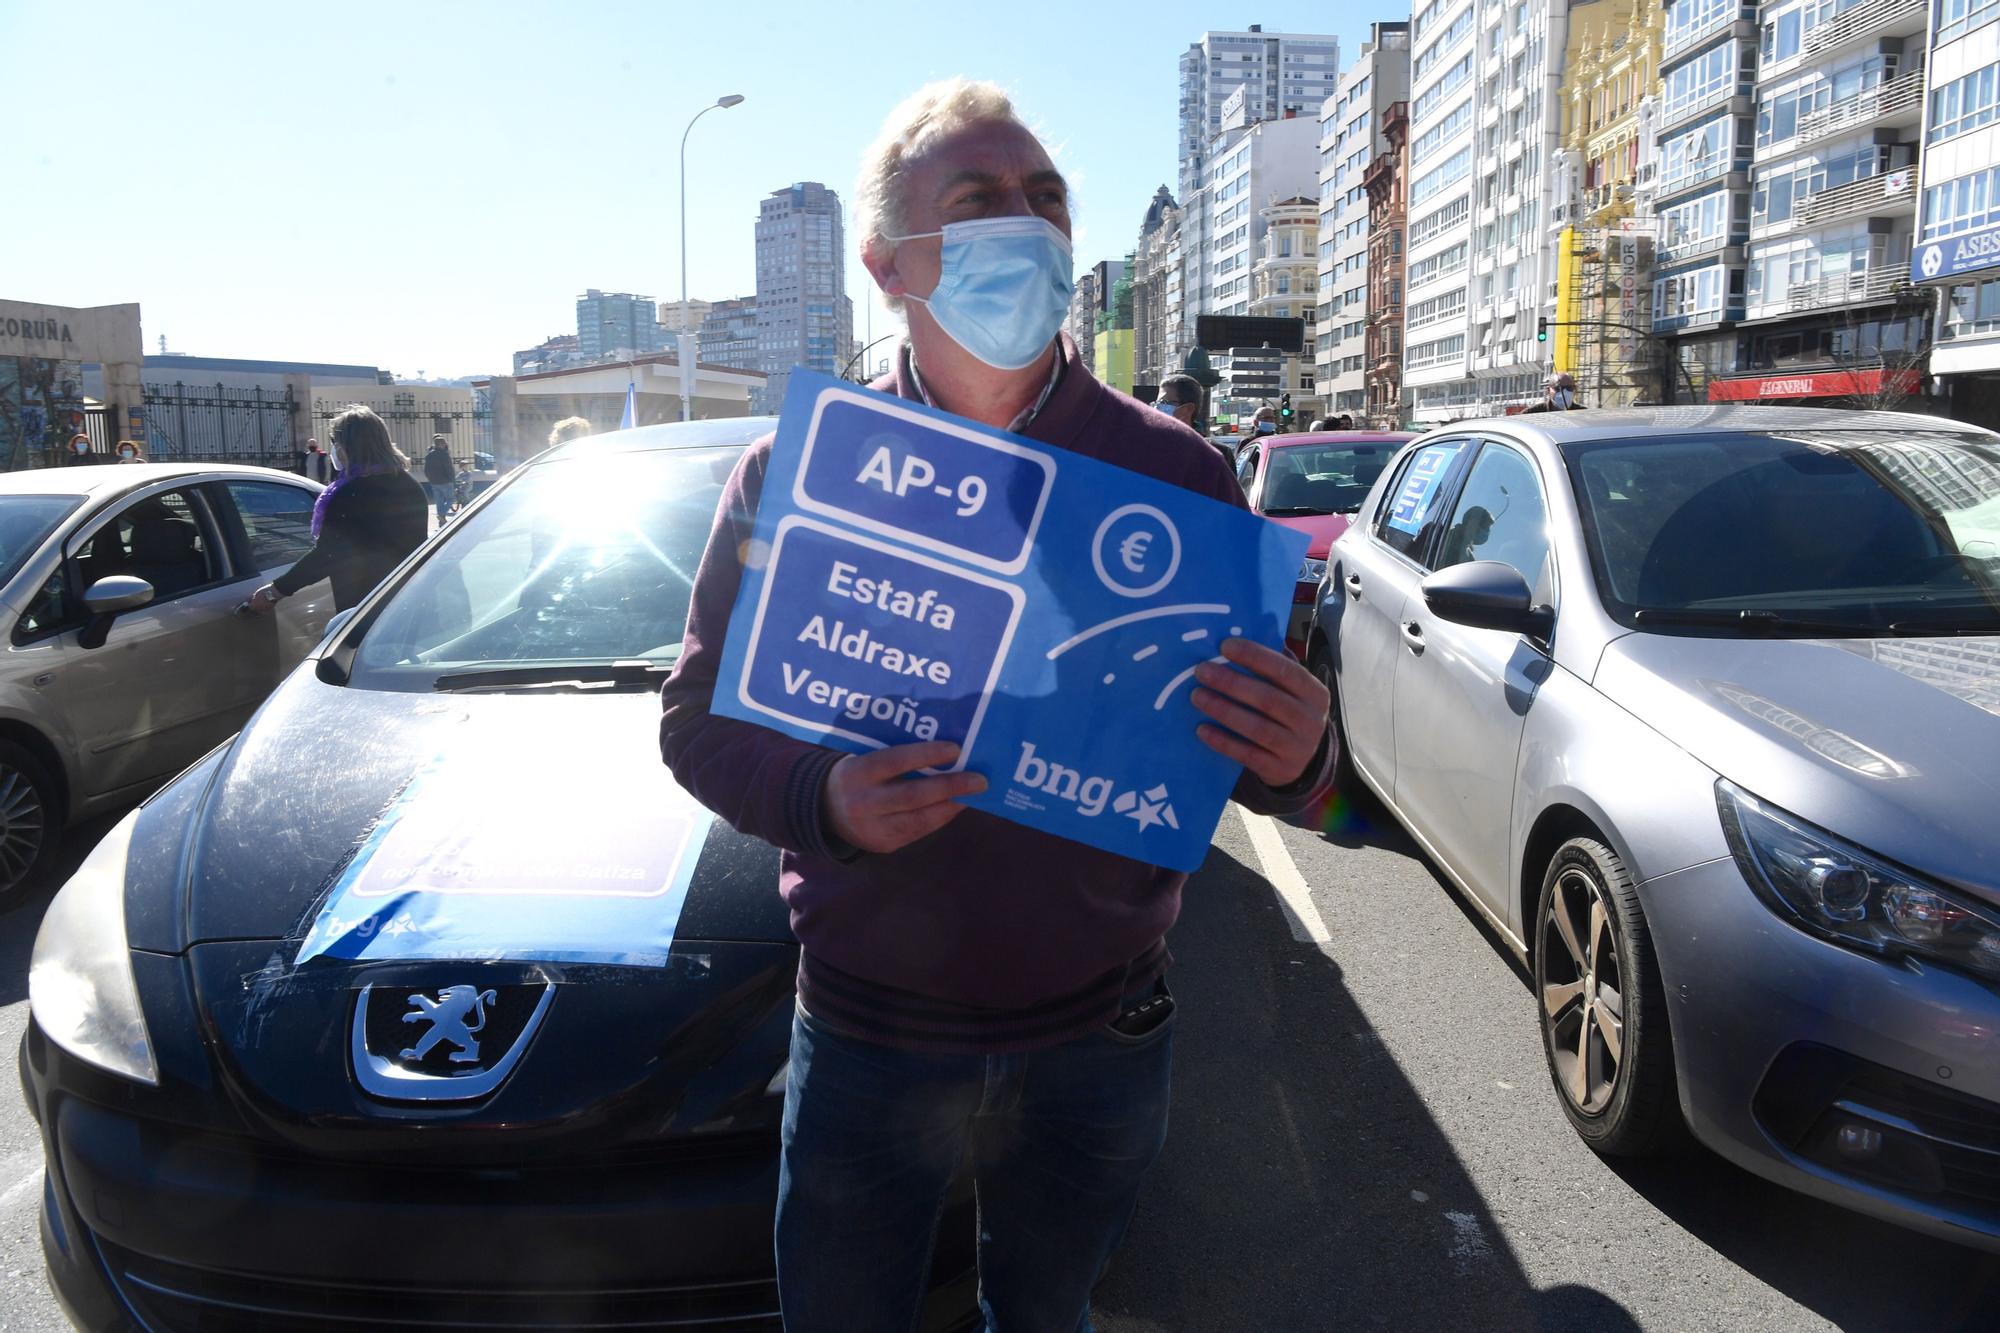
{"x":1892,"y":744}
{"x":288,"y":806}
{"x":1322,"y":530}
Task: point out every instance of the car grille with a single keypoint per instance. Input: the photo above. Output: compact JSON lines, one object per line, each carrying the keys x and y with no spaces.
{"x":176,"y":1296}
{"x":1934,"y":1142}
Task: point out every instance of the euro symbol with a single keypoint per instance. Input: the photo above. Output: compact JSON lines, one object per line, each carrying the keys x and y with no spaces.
{"x":1133,"y":551}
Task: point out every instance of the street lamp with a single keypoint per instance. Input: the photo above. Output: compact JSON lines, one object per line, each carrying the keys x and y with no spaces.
{"x":680,"y":345}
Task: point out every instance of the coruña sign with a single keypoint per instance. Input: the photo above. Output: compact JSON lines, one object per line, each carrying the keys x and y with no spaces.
{"x":914,"y":576}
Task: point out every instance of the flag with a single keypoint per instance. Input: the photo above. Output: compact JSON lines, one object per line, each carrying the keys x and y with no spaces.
{"x":631,"y":417}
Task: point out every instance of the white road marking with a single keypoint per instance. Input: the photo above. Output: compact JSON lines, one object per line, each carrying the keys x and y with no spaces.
{"x":1293,"y":895}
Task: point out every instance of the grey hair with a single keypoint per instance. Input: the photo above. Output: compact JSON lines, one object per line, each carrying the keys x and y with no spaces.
{"x":927,"y":115}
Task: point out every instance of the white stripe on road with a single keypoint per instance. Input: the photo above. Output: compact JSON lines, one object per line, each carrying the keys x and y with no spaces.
{"x":1293,"y":895}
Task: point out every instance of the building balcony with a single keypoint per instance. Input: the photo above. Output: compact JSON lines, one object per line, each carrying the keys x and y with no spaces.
{"x":1669,"y":186}
{"x":1873,"y":284}
{"x":1687,"y":39}
{"x":1679,"y":252}
{"x":1866,"y":21}
{"x":1895,"y":103}
{"x":1889,"y":194}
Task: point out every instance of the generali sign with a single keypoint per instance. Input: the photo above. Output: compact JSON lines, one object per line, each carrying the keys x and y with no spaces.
{"x":1825,"y":384}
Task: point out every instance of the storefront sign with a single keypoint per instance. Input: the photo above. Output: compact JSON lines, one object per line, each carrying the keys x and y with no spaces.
{"x":1825,"y":384}
{"x":915,"y":577}
{"x":1953,"y":255}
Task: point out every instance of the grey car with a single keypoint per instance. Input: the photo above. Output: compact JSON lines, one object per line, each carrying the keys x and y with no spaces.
{"x":122,"y":661}
{"x":1700,"y":709}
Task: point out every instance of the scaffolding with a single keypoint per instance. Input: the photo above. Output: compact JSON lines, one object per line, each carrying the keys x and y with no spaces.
{"x":1605,"y":314}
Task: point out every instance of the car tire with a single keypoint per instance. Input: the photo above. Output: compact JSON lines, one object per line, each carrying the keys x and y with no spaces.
{"x":1611,"y":1059}
{"x":1320,"y":662}
{"x":30,"y":820}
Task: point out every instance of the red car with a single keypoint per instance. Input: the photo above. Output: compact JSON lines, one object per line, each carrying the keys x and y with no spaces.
{"x":1312,"y":483}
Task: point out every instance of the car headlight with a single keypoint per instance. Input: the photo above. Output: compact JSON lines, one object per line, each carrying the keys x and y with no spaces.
{"x":1842,"y":893}
{"x":1312,"y":571}
{"x":80,"y":986}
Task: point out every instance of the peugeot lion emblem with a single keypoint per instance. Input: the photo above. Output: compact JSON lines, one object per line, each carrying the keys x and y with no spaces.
{"x":438,"y":1047}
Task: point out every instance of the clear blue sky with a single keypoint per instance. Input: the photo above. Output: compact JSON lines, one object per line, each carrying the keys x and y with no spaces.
{"x":427,"y":187}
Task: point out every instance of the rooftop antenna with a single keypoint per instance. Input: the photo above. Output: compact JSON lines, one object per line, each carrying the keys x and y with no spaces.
{"x":163,"y":344}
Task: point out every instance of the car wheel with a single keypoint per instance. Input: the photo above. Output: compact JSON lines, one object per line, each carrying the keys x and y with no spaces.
{"x":29,"y":822}
{"x":1320,"y":662}
{"x":1603,"y":1007}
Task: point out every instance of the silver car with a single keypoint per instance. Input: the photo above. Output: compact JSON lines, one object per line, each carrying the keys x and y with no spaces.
{"x":1700,"y":708}
{"x":123,"y":660}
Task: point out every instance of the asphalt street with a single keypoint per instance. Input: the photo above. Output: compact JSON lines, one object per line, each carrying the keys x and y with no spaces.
{"x":1363,"y":1136}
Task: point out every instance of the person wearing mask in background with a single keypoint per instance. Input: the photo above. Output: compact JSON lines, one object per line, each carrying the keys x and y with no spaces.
{"x":1180,"y":398}
{"x":79,"y":450}
{"x":1265,"y":422}
{"x":439,"y":476}
{"x":569,"y":428}
{"x":128,"y":452}
{"x":362,"y":525}
{"x":1558,"y":395}
{"x":318,"y":465}
{"x":969,"y":988}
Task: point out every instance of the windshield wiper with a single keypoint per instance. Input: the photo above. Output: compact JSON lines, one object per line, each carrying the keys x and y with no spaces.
{"x":1942,"y":627}
{"x":573,"y":675}
{"x":1748,"y":619}
{"x":1297,"y":511}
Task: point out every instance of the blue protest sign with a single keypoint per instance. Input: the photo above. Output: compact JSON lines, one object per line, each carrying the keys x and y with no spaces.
{"x":914,"y":576}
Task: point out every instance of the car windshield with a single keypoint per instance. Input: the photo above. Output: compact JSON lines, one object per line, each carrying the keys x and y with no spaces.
{"x":25,"y":523}
{"x":585,"y":560}
{"x":1860,"y":532}
{"x":1330,"y":478}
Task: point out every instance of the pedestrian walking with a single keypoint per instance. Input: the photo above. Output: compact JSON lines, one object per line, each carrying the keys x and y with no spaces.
{"x":79,"y":450}
{"x":440,"y":477}
{"x":128,"y":452}
{"x":362,"y":525}
{"x":1558,"y":395}
{"x":318,"y":464}
{"x":969,"y":989}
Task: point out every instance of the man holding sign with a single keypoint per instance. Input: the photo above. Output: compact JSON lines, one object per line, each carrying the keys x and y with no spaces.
{"x":970,"y":982}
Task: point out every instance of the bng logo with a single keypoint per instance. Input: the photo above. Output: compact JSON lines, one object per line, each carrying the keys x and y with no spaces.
{"x":1093,"y":795}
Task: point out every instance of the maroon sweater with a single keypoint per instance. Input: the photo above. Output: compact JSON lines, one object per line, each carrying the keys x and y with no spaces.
{"x":986,"y":936}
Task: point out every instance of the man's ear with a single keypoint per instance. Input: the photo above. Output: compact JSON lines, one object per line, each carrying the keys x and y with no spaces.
{"x":879,"y":258}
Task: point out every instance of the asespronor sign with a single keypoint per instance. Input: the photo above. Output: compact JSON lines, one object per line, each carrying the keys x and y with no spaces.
{"x":914,"y":576}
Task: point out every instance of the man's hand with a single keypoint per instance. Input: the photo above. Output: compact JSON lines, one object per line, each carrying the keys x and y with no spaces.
{"x":1271,"y":719}
{"x":869,"y":803}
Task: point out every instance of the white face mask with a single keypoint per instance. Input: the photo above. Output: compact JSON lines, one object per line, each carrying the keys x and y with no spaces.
{"x":1562,"y":398}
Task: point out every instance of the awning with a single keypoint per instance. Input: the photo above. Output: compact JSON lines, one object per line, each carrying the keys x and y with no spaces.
{"x":1823,"y":384}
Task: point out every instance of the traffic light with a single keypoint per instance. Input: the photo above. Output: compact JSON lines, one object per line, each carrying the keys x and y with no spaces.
{"x":1541,"y":328}
{"x":1285,"y":407}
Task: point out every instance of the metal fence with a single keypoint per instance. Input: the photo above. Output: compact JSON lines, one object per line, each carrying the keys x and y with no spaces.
{"x":467,"y":431}
{"x":217,"y":424}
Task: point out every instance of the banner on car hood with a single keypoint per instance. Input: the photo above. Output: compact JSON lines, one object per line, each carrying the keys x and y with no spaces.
{"x":492,"y":852}
{"x":914,"y":576}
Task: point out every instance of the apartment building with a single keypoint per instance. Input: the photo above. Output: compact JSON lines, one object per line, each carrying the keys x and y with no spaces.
{"x":1351,"y":137}
{"x":1957,"y":251}
{"x":1284,"y":284}
{"x":613,"y":324}
{"x":1278,"y":73}
{"x":1602,"y":334}
{"x":1485,"y":129}
{"x":1828,"y":308}
{"x":1388,"y":217}
{"x":1701,"y":188}
{"x":804,"y":315}
{"x":729,"y":334}
{"x":1153,"y":259}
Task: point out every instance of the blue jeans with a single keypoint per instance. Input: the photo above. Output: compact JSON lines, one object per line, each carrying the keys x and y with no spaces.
{"x":443,"y":495}
{"x":1057,"y":1140}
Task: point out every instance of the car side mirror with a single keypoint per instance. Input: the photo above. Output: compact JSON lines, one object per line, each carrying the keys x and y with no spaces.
{"x":105,"y":600}
{"x":1487,"y":594}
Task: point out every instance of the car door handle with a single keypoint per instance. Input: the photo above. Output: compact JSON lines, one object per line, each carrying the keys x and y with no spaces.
{"x":1353,"y":585}
{"x":1413,"y":635}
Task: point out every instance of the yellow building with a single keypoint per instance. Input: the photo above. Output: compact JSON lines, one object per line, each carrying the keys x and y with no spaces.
{"x":1604,"y":293}
{"x":1114,"y":358}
